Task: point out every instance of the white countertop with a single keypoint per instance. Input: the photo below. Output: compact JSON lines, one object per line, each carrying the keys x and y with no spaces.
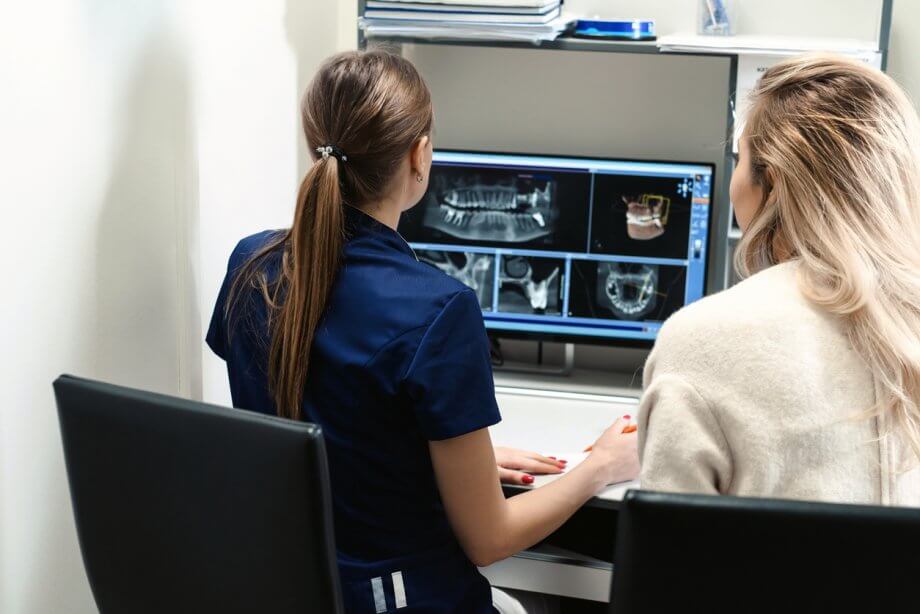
{"x":560,"y":421}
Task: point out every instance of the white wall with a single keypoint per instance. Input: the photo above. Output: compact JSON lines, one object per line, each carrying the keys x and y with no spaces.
{"x":140,"y":140}
{"x":904,"y":58}
{"x":96,"y":165}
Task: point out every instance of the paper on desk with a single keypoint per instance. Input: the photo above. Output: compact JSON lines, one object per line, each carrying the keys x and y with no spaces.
{"x":613,"y":492}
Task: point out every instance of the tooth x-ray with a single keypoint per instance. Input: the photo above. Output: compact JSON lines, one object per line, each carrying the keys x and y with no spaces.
{"x":641,"y":216}
{"x":509,"y":209}
{"x":475,"y":270}
{"x":494,"y":206}
{"x":565,"y":246}
{"x":530,"y":285}
{"x":626,"y":290}
{"x":646,"y":216}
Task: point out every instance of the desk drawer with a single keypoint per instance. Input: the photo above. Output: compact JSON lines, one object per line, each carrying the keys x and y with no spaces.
{"x":541,"y":573}
{"x":574,"y":561}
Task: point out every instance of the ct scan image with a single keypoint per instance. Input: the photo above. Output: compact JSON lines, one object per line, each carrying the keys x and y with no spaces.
{"x":626,"y":290}
{"x":475,"y":270}
{"x":530,"y":285}
{"x":515,"y":210}
{"x":641,"y":216}
{"x":501,"y":207}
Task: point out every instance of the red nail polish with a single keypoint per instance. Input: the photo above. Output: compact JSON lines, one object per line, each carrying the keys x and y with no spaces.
{"x":527,"y":479}
{"x":563,"y":461}
{"x":552,"y":457}
{"x":627,"y":417}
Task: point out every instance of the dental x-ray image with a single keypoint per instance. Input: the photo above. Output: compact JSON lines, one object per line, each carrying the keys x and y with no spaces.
{"x":626,"y":291}
{"x":516,"y":210}
{"x":475,"y":270}
{"x":641,"y":216}
{"x":646,"y":216}
{"x":496,"y":207}
{"x":530,"y":285}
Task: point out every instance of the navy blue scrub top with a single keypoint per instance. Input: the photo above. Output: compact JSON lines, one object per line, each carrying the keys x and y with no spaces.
{"x":400,"y":358}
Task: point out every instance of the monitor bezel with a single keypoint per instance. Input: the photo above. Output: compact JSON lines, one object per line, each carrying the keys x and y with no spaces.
{"x":498,"y":333}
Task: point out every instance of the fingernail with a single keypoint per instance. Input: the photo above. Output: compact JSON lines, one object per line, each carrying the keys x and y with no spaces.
{"x":627,"y":417}
{"x":527,"y":479}
{"x":563,"y":461}
{"x":552,"y":457}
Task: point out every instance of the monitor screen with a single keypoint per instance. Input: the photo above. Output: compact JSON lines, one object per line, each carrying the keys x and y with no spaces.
{"x":567,"y":248}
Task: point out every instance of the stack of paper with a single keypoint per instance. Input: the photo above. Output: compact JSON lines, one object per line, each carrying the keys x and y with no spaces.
{"x":514,"y":20}
{"x":763,"y":45}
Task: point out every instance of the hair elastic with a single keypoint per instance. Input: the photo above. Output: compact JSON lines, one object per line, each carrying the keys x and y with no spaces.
{"x":332,"y":150}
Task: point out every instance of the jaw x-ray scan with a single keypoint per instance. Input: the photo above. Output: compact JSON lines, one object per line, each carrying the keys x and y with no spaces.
{"x":567,"y":247}
{"x":630,"y":291}
{"x":646,"y":216}
{"x":626,"y":291}
{"x":530,"y":285}
{"x":475,"y":270}
{"x":641,"y":216}
{"x":510,"y":209}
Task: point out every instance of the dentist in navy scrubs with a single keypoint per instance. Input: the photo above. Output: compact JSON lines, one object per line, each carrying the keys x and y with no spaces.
{"x":336,"y":322}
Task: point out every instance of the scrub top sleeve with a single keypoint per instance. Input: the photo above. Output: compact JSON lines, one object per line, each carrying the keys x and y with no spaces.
{"x":450,"y":377}
{"x":217,"y":331}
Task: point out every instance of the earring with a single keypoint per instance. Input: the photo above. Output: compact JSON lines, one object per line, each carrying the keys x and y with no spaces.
{"x":419,"y":178}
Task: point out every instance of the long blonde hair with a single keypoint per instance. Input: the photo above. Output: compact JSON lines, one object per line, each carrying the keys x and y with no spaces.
{"x":834,"y":144}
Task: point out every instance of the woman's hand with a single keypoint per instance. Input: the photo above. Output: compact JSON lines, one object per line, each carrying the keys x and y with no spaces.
{"x":616,"y":452}
{"x":513,"y":463}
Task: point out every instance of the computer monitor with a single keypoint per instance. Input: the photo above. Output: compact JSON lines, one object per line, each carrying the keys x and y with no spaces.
{"x":567,"y":248}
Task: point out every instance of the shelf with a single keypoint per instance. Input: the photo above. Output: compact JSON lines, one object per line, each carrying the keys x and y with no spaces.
{"x":719,"y":47}
{"x":564,"y":43}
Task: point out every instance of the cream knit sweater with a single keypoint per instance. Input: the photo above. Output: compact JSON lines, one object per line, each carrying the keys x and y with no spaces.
{"x":756,"y":392}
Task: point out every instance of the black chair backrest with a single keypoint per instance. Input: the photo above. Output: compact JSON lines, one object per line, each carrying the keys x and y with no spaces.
{"x":186,"y":507}
{"x":695,"y":553}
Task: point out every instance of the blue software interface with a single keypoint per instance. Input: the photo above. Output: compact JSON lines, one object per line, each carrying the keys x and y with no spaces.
{"x":567,"y":247}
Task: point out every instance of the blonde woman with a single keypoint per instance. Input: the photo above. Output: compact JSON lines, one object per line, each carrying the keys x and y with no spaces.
{"x":803,"y":381}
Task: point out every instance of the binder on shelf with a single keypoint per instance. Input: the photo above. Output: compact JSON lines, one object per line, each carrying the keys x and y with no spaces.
{"x":446,"y":31}
{"x":416,"y":5}
{"x":462,"y":17}
{"x":487,"y":3}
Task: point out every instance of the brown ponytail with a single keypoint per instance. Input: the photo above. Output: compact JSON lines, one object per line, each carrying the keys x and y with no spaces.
{"x":372,"y":107}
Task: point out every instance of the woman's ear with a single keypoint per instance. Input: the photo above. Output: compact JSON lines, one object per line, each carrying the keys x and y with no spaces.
{"x":768,"y":182}
{"x":417,"y":156}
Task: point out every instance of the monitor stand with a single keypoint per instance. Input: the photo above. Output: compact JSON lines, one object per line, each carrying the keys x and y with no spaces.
{"x":564,"y":370}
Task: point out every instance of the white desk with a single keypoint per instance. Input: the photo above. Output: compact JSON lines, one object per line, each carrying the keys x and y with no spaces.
{"x":559,"y":421}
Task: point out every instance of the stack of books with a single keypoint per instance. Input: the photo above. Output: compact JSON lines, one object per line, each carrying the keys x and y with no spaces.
{"x":517,"y":20}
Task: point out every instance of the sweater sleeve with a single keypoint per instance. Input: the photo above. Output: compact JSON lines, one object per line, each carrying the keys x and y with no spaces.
{"x":681,"y":445}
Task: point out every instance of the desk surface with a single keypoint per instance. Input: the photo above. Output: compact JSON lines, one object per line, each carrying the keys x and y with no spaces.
{"x":560,"y":422}
{"x":581,"y":381}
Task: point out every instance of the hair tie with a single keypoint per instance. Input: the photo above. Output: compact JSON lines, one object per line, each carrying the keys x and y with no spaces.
{"x":331,"y":150}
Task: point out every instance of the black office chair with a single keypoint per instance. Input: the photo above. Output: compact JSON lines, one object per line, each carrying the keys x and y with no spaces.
{"x":186,"y":507}
{"x":693,"y":553}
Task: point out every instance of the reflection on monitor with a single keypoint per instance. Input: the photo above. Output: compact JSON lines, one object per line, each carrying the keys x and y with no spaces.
{"x":569,"y":248}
